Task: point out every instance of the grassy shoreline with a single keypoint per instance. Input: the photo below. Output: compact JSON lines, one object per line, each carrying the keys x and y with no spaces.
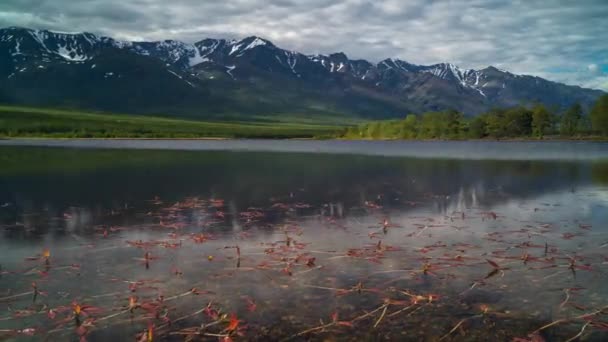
{"x":42,"y":123}
{"x":513,"y":140}
{"x":23,"y":122}
{"x":487,"y":139}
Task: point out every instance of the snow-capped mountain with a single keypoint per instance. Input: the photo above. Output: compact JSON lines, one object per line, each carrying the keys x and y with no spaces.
{"x":48,"y":46}
{"x":213,"y":70}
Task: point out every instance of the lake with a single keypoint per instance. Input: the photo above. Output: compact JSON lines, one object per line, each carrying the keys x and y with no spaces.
{"x":303,"y":240}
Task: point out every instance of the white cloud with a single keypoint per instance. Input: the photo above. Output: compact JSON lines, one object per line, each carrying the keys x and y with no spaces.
{"x":593,"y":68}
{"x":599,"y":82}
{"x":535,"y":36}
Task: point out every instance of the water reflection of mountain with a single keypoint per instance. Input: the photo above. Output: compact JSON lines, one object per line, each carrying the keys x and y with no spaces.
{"x":52,"y":180}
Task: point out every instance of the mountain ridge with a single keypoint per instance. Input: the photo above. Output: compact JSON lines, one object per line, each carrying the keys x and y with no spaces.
{"x":231,"y":75}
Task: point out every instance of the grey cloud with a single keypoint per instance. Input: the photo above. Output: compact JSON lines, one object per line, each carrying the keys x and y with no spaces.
{"x":525,"y":36}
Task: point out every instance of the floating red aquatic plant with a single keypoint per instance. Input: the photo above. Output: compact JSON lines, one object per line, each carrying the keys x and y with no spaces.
{"x":251,"y":305}
{"x":311,"y":262}
{"x":233,"y":323}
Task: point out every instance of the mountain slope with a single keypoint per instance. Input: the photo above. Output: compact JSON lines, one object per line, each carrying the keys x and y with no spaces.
{"x":247,"y":78}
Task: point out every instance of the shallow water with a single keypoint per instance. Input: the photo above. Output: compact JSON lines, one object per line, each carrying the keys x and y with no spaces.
{"x":487,"y":244}
{"x":496,"y":150}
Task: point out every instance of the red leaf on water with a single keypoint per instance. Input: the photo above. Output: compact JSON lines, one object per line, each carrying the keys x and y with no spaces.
{"x":311,"y":262}
{"x":578,"y":306}
{"x":600,"y":325}
{"x":345,"y":324}
{"x":150,"y":332}
{"x":568,"y":236}
{"x":251,"y":306}
{"x":81,"y":331}
{"x":584,"y":267}
{"x":91,"y":310}
{"x":233,"y":324}
{"x":51,"y":314}
{"x":342,"y":292}
{"x":211,"y":313}
{"x":533,"y":338}
{"x":494,"y":264}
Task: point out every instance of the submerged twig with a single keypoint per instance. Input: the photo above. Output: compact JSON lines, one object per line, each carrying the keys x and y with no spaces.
{"x":381,"y":316}
{"x":563,"y":320}
{"x":580,"y":333}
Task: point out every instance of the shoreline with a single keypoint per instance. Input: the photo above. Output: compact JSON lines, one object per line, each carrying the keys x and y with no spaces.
{"x":556,"y":139}
{"x":560,"y":139}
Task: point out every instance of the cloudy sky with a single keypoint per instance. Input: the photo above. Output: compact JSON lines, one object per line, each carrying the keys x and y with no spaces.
{"x":562,"y":40}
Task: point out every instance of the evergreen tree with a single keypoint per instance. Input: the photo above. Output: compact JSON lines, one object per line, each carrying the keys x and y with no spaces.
{"x":454,"y":121}
{"x":518,"y":122}
{"x":409,"y":127}
{"x":599,"y":115}
{"x":495,"y":123}
{"x":570,"y":120}
{"x":477,"y":127}
{"x":541,"y":120}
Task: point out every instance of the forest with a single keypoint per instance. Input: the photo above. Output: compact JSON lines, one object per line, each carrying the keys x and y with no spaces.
{"x":536,"y":121}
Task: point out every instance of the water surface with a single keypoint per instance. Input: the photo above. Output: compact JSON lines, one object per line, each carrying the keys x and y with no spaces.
{"x":496,"y":150}
{"x":348,"y":241}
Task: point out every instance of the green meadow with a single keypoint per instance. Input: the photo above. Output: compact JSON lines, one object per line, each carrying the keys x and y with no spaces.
{"x":53,"y":123}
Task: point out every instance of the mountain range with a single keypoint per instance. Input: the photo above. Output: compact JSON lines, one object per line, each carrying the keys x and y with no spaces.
{"x":247,"y":78}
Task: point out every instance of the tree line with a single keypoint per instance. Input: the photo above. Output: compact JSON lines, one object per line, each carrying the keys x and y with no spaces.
{"x":517,"y":122}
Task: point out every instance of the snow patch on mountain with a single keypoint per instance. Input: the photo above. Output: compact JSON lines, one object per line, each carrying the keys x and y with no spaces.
{"x":467,"y":78}
{"x":6,"y":38}
{"x":229,"y":70}
{"x":71,"y":54}
{"x":207,"y":50}
{"x":235,"y":48}
{"x":180,"y":77}
{"x":195,"y":56}
{"x":292,"y":61}
{"x":40,"y":37}
{"x":254,"y":43}
{"x":17,"y":50}
{"x":119,"y":44}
